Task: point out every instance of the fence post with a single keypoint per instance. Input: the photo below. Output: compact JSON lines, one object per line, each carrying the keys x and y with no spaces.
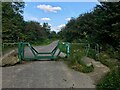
{"x":88,"y":48}
{"x":19,"y":51}
{"x":98,"y":50}
{"x":68,"y":49}
{"x":23,"y":50}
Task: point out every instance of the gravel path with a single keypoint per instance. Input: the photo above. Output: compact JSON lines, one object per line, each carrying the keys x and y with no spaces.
{"x":44,"y":74}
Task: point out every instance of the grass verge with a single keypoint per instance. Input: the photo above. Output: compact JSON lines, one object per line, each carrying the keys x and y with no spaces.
{"x":77,"y":52}
{"x":112,"y":79}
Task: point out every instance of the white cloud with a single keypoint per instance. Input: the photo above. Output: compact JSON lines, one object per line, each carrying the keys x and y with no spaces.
{"x":29,"y":17}
{"x":45,"y":19}
{"x":50,"y":24}
{"x":62,"y":25}
{"x":34,"y":19}
{"x":57,"y":28}
{"x":68,"y":19}
{"x":49,"y":8}
{"x":25,"y":4}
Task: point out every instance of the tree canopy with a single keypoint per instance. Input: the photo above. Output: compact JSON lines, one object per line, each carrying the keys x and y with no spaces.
{"x":100,"y":26}
{"x":15,"y":29}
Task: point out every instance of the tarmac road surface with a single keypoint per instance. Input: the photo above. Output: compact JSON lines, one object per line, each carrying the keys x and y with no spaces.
{"x":44,"y":74}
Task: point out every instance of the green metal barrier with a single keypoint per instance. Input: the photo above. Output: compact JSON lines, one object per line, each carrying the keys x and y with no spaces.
{"x":65,"y":47}
{"x":38,"y":55}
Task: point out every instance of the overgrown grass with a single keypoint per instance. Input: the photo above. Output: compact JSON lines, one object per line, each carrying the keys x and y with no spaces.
{"x":112,"y":79}
{"x":110,"y":58}
{"x":92,"y":54}
{"x":107,"y":60}
{"x":74,"y":61}
{"x":81,"y":67}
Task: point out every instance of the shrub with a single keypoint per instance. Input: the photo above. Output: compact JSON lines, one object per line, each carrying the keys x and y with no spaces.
{"x":103,"y":56}
{"x":92,"y":53}
{"x":75,"y":62}
{"x":111,"y":80}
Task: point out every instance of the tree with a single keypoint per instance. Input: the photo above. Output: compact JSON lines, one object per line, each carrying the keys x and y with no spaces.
{"x":52,"y":35}
{"x":46,"y":27}
{"x":12,"y":21}
{"x":33,"y":31}
{"x":98,"y":26}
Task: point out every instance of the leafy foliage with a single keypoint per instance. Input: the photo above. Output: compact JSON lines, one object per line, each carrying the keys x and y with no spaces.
{"x":15,"y":29}
{"x":98,"y":26}
{"x":34,"y":32}
{"x":77,"y":53}
{"x":12,"y":21}
{"x":111,"y":81}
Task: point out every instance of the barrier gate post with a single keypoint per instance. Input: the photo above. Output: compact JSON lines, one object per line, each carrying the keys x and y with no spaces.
{"x":68,"y":49}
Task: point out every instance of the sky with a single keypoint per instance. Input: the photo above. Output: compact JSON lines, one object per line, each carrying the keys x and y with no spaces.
{"x":57,"y":14}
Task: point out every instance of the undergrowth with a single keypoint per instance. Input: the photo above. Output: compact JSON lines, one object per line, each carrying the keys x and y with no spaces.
{"x":74,"y":61}
{"x":112,"y":79}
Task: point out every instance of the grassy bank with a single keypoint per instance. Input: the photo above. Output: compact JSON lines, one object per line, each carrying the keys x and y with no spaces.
{"x":77,"y":52}
{"x":112,"y":79}
{"x":110,"y":59}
